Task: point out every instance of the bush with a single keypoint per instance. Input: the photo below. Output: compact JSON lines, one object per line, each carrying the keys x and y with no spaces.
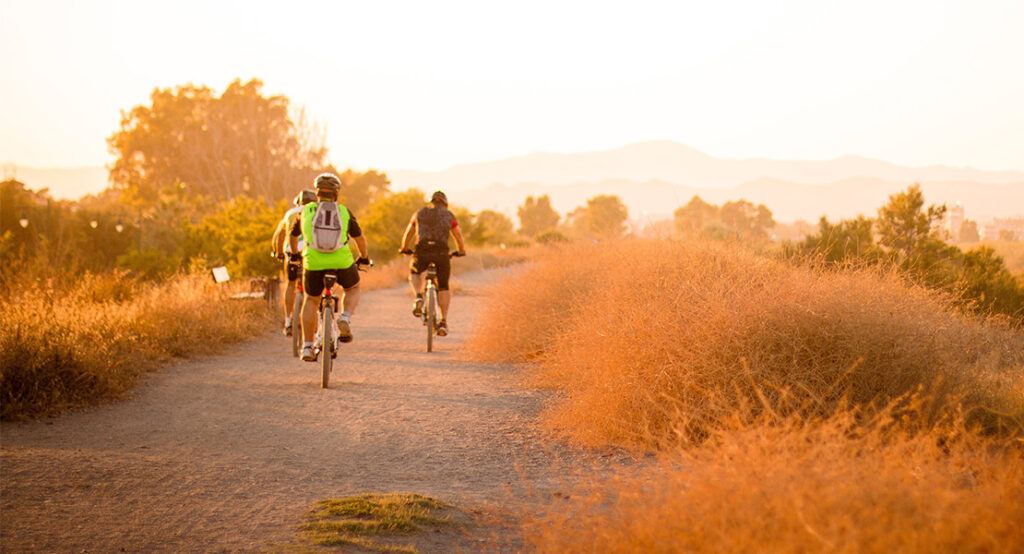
{"x":834,"y":486}
{"x":551,"y":237}
{"x":667,"y":347}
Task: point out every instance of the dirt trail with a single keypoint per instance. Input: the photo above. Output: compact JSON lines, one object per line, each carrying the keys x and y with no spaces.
{"x":226,"y":453}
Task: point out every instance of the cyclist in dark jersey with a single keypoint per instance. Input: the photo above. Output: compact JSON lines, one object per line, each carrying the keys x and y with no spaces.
{"x":431,"y":226}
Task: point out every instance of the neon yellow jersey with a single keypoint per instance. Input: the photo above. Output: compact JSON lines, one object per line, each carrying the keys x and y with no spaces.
{"x":314,"y":260}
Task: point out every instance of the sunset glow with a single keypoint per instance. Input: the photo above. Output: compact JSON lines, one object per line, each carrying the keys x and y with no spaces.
{"x":414,"y":85}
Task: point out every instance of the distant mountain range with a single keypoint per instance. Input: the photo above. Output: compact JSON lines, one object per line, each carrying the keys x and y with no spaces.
{"x":653,"y":200}
{"x":654,"y":178}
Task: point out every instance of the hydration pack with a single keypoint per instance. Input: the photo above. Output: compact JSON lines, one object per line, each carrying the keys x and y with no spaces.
{"x":433,"y":226}
{"x":328,"y":234}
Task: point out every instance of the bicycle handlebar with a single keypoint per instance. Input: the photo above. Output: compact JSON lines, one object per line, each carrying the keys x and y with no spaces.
{"x":408,"y":252}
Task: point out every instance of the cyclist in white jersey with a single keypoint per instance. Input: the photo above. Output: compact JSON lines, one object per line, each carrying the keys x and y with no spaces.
{"x":283,"y":251}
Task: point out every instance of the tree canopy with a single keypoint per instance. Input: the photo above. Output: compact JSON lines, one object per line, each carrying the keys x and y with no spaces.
{"x":906,"y":236}
{"x":536,"y":216}
{"x":240,"y":142}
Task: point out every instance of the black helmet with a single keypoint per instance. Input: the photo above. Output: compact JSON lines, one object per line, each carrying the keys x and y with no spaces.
{"x":327,"y":183}
{"x":439,"y":198}
{"x":305,"y":197}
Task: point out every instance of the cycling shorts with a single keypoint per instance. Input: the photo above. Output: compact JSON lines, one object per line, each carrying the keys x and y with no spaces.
{"x":313,"y":280}
{"x":292,"y":271}
{"x":442,"y":261}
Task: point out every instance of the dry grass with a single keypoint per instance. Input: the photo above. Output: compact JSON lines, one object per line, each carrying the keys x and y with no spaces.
{"x":832,"y":486}
{"x":793,"y":409}
{"x":86,"y":340}
{"x":651,"y":343}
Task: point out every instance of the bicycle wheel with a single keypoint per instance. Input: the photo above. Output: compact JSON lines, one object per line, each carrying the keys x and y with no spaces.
{"x":431,"y":317}
{"x":297,"y":325}
{"x":327,"y":328}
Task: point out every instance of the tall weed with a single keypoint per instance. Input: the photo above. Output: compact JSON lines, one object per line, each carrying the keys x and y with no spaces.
{"x":837,"y":485}
{"x":73,"y":341}
{"x":653,"y":343}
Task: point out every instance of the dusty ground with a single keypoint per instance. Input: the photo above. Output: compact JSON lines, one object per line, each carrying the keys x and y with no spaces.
{"x":227,"y":453}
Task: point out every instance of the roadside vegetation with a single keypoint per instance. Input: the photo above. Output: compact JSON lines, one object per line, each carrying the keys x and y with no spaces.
{"x":379,"y":522}
{"x":793,"y":406}
{"x":69,"y":340}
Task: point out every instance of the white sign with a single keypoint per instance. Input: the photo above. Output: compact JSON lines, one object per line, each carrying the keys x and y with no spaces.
{"x":220,"y":274}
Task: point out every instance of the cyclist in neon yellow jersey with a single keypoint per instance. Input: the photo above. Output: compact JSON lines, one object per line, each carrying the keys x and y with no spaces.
{"x":283,"y":251}
{"x":326,"y":226}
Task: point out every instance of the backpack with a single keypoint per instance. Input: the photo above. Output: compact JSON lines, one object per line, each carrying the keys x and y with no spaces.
{"x":327,"y":232}
{"x":433,"y":224}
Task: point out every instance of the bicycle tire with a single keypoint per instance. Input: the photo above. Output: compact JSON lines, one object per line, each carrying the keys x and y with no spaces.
{"x":431,"y":317}
{"x":327,"y":331}
{"x":297,"y":325}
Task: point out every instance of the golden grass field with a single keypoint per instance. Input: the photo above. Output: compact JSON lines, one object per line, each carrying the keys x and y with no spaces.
{"x":89,"y":338}
{"x":792,"y":408}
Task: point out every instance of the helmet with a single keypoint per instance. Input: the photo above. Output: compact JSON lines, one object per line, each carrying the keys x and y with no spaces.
{"x":305,"y":197}
{"x":327,"y":184}
{"x":439,"y":198}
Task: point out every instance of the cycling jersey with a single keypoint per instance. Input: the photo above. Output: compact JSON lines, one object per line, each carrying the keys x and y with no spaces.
{"x":289,"y":218}
{"x":313,"y":260}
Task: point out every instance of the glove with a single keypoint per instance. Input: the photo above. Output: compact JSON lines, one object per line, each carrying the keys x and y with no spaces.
{"x":277,"y":255}
{"x":459,"y":254}
{"x":294,"y":257}
{"x":364,"y":261}
{"x":405,"y":251}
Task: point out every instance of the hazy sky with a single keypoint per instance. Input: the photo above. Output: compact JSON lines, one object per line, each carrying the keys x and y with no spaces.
{"x":429,"y":84}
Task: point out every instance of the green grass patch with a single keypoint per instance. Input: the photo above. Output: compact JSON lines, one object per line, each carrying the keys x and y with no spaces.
{"x":371,"y":521}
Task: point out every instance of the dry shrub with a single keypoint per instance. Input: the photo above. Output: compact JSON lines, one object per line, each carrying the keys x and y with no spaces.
{"x":654,"y":343}
{"x":65,"y":344}
{"x":832,"y":486}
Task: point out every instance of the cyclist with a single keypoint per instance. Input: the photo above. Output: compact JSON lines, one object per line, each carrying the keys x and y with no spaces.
{"x":325,"y":226}
{"x":282,"y":249}
{"x":431,"y":226}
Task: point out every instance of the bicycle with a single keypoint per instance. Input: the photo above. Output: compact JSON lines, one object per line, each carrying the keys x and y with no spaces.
{"x":431,"y":308}
{"x":326,"y":322}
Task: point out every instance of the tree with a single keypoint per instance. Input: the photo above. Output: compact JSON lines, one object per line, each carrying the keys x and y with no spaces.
{"x":691,"y":219}
{"x":968,"y":232}
{"x":237,"y":235}
{"x":904,"y":226}
{"x":746,"y":219}
{"x":490,"y":227}
{"x":605,"y":217}
{"x":385,"y":222}
{"x":537,"y":216}
{"x":850,"y":239}
{"x":238,"y":143}
{"x":358,"y":190}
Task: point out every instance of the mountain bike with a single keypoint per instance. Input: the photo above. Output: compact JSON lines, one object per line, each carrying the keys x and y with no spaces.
{"x":326,"y":339}
{"x":431,"y":315}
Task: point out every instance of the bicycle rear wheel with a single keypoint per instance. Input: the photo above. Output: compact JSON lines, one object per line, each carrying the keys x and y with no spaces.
{"x":326,"y":351}
{"x":297,"y":325}
{"x":431,"y":317}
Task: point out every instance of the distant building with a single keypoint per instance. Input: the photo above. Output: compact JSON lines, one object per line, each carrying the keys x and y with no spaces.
{"x":1004,"y":225}
{"x":954,"y":219}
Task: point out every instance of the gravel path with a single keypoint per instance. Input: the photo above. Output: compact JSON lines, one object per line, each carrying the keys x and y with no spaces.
{"x":227,"y":453}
